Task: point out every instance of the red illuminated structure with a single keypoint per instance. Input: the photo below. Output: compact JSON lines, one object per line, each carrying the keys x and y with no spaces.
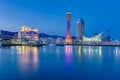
{"x":68,"y":34}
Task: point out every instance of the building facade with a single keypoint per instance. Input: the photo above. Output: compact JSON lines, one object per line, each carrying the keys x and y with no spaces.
{"x":79,"y":29}
{"x":27,"y":33}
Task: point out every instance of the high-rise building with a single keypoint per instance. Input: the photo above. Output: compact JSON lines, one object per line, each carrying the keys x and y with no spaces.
{"x":68,"y":34}
{"x":79,"y":29}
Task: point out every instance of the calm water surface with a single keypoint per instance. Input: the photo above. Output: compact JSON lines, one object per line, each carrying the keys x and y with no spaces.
{"x":60,"y":63}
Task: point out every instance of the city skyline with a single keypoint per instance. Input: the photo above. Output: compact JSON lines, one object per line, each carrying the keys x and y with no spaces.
{"x":44,"y":15}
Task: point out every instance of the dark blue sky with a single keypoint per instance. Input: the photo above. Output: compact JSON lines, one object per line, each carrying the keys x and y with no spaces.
{"x":50,"y":15}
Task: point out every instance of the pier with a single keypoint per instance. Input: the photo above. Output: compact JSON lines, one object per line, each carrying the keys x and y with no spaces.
{"x":63,"y":44}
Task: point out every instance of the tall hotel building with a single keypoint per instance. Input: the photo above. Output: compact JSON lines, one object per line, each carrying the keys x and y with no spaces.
{"x":79,"y":29}
{"x":27,"y":33}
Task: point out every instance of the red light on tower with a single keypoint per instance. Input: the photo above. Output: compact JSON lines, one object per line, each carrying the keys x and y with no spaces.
{"x":68,"y":16}
{"x":68,"y":34}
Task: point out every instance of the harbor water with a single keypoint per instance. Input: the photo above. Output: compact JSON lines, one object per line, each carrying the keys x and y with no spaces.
{"x":59,"y":63}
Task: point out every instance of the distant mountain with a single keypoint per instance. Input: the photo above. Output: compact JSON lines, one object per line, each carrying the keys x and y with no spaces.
{"x":41,"y":35}
{"x":8,"y":33}
{"x":53,"y":36}
{"x":44,"y":35}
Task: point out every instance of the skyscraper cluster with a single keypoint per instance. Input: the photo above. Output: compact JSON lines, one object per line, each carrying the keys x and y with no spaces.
{"x":79,"y":29}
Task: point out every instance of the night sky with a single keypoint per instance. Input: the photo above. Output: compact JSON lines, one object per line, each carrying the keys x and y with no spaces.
{"x":49,"y":16}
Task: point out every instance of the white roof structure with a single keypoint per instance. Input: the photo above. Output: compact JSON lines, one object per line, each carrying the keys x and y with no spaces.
{"x":96,"y":38}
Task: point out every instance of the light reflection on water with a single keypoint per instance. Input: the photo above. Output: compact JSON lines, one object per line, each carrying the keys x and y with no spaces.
{"x":91,"y":50}
{"x":68,"y":54}
{"x":117,"y":51}
{"x":42,"y":61}
{"x":27,"y":54}
{"x":26,"y":57}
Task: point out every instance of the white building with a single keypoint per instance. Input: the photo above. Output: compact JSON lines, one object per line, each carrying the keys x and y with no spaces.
{"x":28,"y":33}
{"x":79,"y":29}
{"x":95,"y":38}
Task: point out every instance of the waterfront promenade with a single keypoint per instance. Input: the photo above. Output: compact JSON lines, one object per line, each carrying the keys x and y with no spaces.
{"x":63,"y":44}
{"x":98,"y":44}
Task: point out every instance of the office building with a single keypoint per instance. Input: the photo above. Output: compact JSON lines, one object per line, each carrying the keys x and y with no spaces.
{"x":79,"y":29}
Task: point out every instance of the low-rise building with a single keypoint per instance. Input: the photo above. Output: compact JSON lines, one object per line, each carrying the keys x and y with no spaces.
{"x":27,"y":33}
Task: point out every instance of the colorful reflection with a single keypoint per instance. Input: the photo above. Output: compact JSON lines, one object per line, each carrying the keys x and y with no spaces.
{"x":68,"y":53}
{"x":27,"y":56}
{"x":35,"y":56}
{"x":68,"y":50}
